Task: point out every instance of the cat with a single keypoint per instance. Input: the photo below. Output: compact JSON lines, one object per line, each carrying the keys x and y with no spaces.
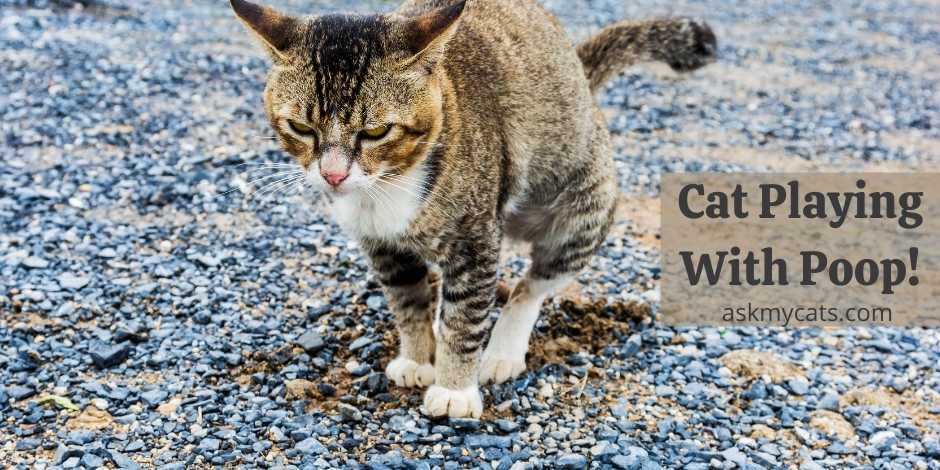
{"x":437,"y":130}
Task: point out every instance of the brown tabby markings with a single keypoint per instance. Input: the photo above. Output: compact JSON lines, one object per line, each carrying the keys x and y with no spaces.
{"x":494,"y":132}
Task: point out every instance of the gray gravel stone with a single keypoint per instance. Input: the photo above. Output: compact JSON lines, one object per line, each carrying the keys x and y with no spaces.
{"x":153,"y":397}
{"x":27,"y":444}
{"x":122,"y":461}
{"x":73,"y":281}
{"x":349,"y":412}
{"x":123,"y":124}
{"x":310,"y":446}
{"x":798,"y":386}
{"x":829,"y":401}
{"x":626,"y":462}
{"x":90,"y":460}
{"x":883,"y":439}
{"x":360,"y":343}
{"x":35,"y":262}
{"x":487,"y":440}
{"x":106,"y":356}
{"x":210,"y":444}
{"x":311,"y":342}
{"x":571,"y":462}
{"x":734,"y":455}
{"x":810,"y":465}
{"x":18,"y":392}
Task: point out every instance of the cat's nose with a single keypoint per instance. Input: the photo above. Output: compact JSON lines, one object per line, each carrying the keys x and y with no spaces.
{"x":334,"y":166}
{"x":334,"y":178}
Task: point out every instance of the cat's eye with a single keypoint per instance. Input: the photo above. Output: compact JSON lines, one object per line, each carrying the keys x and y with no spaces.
{"x":299,"y":128}
{"x":376,"y":133}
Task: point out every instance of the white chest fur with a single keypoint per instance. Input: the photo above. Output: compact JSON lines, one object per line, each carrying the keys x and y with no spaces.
{"x":383,"y":211}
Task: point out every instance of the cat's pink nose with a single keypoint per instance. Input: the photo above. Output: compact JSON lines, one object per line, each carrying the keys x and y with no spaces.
{"x":334,"y":178}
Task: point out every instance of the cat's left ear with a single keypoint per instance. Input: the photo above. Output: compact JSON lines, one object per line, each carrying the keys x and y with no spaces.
{"x":276,"y":30}
{"x":426,"y":36}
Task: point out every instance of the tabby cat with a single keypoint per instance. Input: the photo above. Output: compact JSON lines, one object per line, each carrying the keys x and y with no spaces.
{"x":437,"y":130}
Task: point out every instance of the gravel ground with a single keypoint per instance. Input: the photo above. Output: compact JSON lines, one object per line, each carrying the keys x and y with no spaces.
{"x":149,"y":317}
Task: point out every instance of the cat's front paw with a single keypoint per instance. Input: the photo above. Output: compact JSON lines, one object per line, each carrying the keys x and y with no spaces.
{"x":441,"y":401}
{"x":498,"y":368}
{"x":407,"y":373}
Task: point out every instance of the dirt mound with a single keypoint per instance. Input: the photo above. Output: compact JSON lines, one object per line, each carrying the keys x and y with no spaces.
{"x":582,"y":324}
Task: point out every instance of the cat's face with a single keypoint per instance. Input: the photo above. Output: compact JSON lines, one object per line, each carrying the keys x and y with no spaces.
{"x":355,"y":99}
{"x":348,"y":128}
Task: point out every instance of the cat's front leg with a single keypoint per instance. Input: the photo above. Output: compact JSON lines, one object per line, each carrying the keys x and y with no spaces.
{"x":413,"y":295}
{"x":469,"y":289}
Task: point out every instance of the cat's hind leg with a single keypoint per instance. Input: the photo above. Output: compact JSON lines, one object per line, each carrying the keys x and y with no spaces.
{"x":413,"y":294}
{"x":570,"y":229}
{"x":504,"y":357}
{"x":556,"y":259}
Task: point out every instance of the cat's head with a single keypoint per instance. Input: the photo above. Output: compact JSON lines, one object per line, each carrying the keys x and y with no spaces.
{"x":355,"y":98}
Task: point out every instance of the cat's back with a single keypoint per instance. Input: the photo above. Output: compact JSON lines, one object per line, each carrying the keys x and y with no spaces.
{"x":514,"y":55}
{"x":523,"y":99}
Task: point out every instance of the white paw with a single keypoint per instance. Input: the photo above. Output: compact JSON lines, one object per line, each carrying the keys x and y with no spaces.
{"x":407,"y":373}
{"x":440,"y":401}
{"x":498,"y":368}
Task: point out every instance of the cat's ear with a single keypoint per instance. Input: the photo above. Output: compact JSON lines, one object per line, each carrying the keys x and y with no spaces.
{"x":276,"y":30}
{"x":426,"y":36}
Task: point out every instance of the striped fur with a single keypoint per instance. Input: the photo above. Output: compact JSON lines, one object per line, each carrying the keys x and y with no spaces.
{"x":683,"y":44}
{"x":493,"y":105}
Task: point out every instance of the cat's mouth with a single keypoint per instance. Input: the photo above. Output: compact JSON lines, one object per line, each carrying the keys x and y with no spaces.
{"x":340,"y":191}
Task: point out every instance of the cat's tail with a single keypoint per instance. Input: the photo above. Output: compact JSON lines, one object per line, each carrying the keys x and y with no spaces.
{"x":683,"y":44}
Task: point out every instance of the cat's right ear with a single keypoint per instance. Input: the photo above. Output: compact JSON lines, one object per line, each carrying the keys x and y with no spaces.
{"x":277,"y":31}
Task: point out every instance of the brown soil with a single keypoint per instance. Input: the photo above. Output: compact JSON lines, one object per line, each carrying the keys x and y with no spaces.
{"x":753,"y":364}
{"x":169,"y":408}
{"x":271,"y":362}
{"x":910,"y":404}
{"x":265,"y":362}
{"x":91,"y":418}
{"x":832,"y":424}
{"x":582,"y":324}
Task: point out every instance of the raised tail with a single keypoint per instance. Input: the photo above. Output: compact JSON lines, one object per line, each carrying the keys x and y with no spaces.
{"x":683,"y":44}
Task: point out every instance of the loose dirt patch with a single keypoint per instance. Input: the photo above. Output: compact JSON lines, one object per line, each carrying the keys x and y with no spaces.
{"x":169,"y":408}
{"x":914,"y":405}
{"x":300,"y":389}
{"x":583,"y":324}
{"x":832,"y":424}
{"x":752,"y":364}
{"x":91,"y":419}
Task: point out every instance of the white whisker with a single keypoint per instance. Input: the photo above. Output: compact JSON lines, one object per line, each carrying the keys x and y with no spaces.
{"x":254,"y":181}
{"x":273,"y":175}
{"x":271,"y":186}
{"x":268,"y":165}
{"x":387,"y":203}
{"x":281,"y":190}
{"x":415,"y":185}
